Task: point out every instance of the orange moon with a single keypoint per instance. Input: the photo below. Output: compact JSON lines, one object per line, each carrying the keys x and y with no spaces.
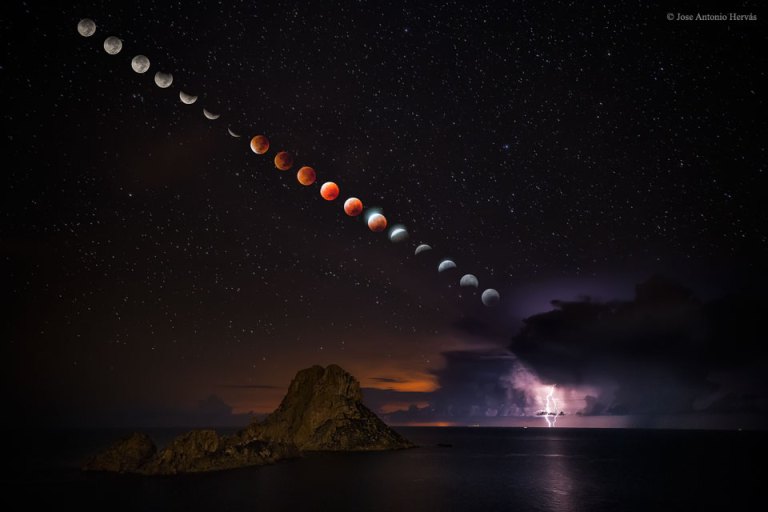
{"x":377,"y":222}
{"x":259,"y":144}
{"x":353,"y":207}
{"x":306,"y":176}
{"x":283,"y":160}
{"x":329,"y":191}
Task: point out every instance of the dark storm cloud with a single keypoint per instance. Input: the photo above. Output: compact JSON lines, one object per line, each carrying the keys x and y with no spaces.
{"x":662,"y":352}
{"x":388,"y":380}
{"x":474,"y":385}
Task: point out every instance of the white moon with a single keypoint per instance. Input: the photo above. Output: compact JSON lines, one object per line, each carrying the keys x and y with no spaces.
{"x":446,"y":265}
{"x":210,"y":115}
{"x":422,"y":248}
{"x":140,"y":63}
{"x":86,"y":27}
{"x":187,"y":99}
{"x":113,"y":45}
{"x":490,"y":297}
{"x":398,"y":233}
{"x":163,"y":80}
{"x":233,"y":133}
{"x":469,"y":281}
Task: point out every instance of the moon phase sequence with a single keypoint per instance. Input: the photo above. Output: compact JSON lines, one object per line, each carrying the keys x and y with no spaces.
{"x":163,"y":80}
{"x":329,"y":191}
{"x":187,"y":99}
{"x":113,"y":45}
{"x":446,"y":265}
{"x":490,"y":297}
{"x":377,"y":222}
{"x":259,"y":144}
{"x":306,"y":176}
{"x":140,"y":64}
{"x":284,"y":161}
{"x":353,"y":207}
{"x":86,"y":27}
{"x":210,"y":115}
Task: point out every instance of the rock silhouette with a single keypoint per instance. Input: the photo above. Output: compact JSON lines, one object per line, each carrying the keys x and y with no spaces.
{"x":322,"y":411}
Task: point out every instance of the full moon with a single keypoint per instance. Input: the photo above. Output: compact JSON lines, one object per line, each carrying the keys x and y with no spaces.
{"x":306,"y":176}
{"x":377,"y":222}
{"x":283,"y":160}
{"x":140,"y":63}
{"x":86,"y":27}
{"x":353,"y":207}
{"x":490,"y":297}
{"x":113,"y":45}
{"x":259,"y":144}
{"x":163,"y":80}
{"x":329,"y":191}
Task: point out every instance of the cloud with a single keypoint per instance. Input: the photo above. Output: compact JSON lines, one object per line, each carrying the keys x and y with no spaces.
{"x":388,"y":380}
{"x":661,"y":353}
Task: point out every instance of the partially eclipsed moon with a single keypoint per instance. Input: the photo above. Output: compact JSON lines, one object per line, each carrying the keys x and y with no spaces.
{"x":163,"y":80}
{"x":140,"y":63}
{"x":86,"y":27}
{"x":210,"y":115}
{"x":398,"y":233}
{"x":446,"y":265}
{"x":113,"y":45}
{"x":187,"y":99}
{"x":233,"y":133}
{"x":422,"y":248}
{"x":469,"y":281}
{"x":490,"y":297}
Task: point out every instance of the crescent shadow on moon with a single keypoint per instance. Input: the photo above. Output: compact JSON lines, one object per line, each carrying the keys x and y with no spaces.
{"x":446,"y":265}
{"x":490,"y":297}
{"x":163,"y":80}
{"x":187,"y":99}
{"x":398,"y":233}
{"x":469,"y":281}
{"x":422,"y":248}
{"x":210,"y":115}
{"x":233,"y":133}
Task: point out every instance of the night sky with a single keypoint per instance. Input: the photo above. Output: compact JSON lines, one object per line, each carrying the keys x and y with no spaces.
{"x":158,"y":272}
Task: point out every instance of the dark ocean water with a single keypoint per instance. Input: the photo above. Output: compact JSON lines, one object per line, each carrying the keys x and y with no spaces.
{"x":485,"y":469}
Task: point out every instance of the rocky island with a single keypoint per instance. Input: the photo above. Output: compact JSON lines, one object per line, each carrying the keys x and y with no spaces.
{"x":322,"y":411}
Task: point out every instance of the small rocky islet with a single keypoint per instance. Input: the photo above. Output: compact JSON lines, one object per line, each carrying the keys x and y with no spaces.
{"x":322,"y":411}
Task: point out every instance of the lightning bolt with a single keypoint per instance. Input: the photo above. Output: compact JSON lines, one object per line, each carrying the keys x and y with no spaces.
{"x":551,"y":408}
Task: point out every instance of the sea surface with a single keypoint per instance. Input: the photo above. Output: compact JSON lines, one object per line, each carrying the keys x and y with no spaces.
{"x":483,"y":469}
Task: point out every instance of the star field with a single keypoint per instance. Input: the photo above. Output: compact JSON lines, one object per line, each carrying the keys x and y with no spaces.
{"x":152,"y":258}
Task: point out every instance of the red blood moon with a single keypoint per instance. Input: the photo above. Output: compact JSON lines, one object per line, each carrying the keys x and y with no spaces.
{"x":377,"y":222}
{"x":329,"y":191}
{"x":283,"y":160}
{"x":353,"y":207}
{"x":259,"y":144}
{"x":306,"y":176}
